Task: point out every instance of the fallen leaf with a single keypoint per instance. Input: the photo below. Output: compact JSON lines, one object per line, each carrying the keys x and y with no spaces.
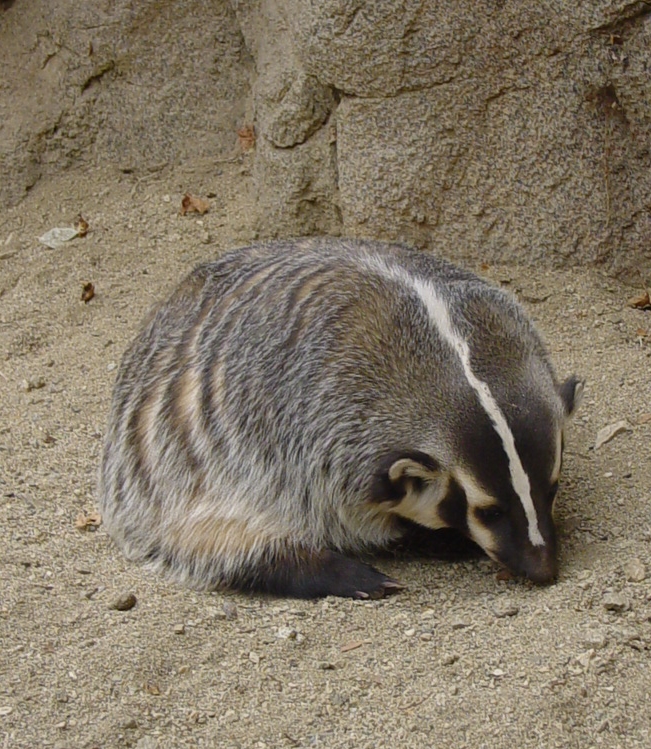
{"x":152,"y":689}
{"x":641,"y":333}
{"x":609,"y":432}
{"x":246,"y":137}
{"x":88,"y":522}
{"x":88,"y":292}
{"x":192,"y":204}
{"x":57,"y":237}
{"x":82,"y":226}
{"x":641,"y":301}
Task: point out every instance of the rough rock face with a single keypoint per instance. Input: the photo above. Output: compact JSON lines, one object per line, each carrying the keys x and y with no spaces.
{"x":493,"y":129}
{"x":140,"y":85}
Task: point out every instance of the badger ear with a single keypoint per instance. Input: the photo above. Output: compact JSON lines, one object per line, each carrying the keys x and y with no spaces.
{"x":399,"y":473}
{"x":571,"y":392}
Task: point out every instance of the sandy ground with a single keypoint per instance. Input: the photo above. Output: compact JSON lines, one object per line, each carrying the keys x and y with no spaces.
{"x":460,"y":659}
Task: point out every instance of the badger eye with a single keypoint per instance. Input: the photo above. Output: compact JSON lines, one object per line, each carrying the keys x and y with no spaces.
{"x":490,"y":515}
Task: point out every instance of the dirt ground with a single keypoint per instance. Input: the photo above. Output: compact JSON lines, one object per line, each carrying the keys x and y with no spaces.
{"x":460,"y":659}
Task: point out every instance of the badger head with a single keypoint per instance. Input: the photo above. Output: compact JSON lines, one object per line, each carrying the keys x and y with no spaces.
{"x":496,"y":481}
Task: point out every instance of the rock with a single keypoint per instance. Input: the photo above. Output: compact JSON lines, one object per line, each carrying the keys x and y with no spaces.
{"x":594,"y":640}
{"x":634,"y":571}
{"x":615,"y":602}
{"x":147,"y":742}
{"x":230,"y":609}
{"x":179,"y":629}
{"x":504,"y":608}
{"x":124,"y":602}
{"x":459,"y":624}
{"x":33,"y":383}
{"x":286,"y":633}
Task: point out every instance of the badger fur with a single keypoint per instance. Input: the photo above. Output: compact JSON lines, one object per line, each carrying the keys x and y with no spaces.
{"x":293,"y":402}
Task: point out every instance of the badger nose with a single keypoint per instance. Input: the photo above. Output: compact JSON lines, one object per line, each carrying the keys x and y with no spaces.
{"x":541,"y":566}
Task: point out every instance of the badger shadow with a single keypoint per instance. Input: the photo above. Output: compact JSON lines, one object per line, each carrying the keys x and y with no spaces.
{"x":420,"y":543}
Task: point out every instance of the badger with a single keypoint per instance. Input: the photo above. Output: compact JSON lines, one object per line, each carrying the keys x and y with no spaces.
{"x":295,"y":405}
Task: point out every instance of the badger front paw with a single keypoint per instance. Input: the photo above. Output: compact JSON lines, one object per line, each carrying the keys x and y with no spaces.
{"x":325,"y":573}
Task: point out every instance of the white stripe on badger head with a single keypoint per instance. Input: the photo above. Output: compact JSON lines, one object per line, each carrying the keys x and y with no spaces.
{"x":437,"y":311}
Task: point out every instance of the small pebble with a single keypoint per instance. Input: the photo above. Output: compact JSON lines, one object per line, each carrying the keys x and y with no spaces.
{"x":327,"y":666}
{"x":125,"y":602}
{"x":614,"y":602}
{"x":410,"y":632}
{"x":448,"y":660}
{"x":286,"y":633}
{"x":179,"y":629}
{"x":502,"y":609}
{"x":426,"y":636}
{"x":454,"y":690}
{"x":254,"y":657}
{"x":459,"y":624}
{"x":33,"y":383}
{"x":634,"y":571}
{"x":230,"y":609}
{"x":594,"y":639}
{"x":214,"y":613}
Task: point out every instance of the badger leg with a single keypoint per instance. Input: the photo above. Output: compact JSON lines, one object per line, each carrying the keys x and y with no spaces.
{"x":319,"y":574}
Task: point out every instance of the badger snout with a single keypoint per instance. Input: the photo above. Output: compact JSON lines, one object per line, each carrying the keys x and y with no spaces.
{"x":540,"y":565}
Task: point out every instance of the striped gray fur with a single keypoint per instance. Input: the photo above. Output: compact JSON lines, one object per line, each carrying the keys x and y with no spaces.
{"x":250,"y":413}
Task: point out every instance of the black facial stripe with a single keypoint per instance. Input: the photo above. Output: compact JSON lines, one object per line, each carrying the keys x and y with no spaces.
{"x":453,"y":509}
{"x":483,"y":452}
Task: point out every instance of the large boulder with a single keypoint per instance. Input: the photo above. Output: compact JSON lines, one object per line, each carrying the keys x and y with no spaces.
{"x":140,"y":85}
{"x":500,"y":130}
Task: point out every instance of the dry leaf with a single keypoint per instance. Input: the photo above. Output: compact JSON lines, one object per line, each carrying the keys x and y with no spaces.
{"x":609,"y":432}
{"x":641,"y":301}
{"x":246,"y":137}
{"x":57,"y":237}
{"x":88,"y":292}
{"x":82,"y":226}
{"x":88,"y":522}
{"x":192,"y":204}
{"x":641,"y":333}
{"x":152,"y":689}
